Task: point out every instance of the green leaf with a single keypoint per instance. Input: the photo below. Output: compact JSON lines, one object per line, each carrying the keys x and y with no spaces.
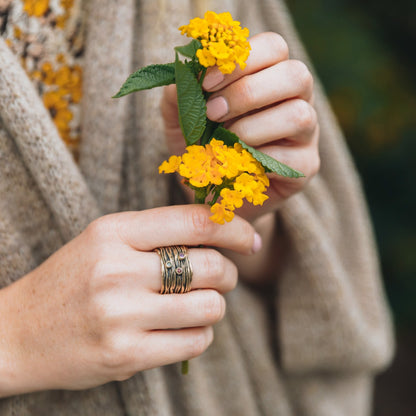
{"x":211,"y":126}
{"x":191,"y":103}
{"x":148,"y":77}
{"x":195,"y":67}
{"x":269,"y":164}
{"x":190,"y":49}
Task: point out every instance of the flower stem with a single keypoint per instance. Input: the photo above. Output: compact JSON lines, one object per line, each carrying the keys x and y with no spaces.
{"x":199,"y":199}
{"x":185,"y":367}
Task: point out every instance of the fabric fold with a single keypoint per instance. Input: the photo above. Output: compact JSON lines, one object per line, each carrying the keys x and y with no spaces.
{"x":104,"y":119}
{"x":329,"y":311}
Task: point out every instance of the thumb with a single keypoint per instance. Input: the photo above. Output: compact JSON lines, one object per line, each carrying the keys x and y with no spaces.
{"x":169,"y":108}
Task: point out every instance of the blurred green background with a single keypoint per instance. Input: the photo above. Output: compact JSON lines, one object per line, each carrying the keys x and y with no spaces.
{"x":365,"y":56}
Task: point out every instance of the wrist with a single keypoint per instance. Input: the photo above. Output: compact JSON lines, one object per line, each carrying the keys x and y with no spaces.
{"x":15,"y":378}
{"x":9,"y":366}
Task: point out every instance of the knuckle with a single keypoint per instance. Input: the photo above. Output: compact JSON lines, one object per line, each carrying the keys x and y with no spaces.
{"x":305,"y":115}
{"x":200,"y":224}
{"x":99,"y":228}
{"x":303,"y":75}
{"x":214,"y":264}
{"x":100,"y":269}
{"x":116,"y":354}
{"x":246,"y":92}
{"x":242,"y":128}
{"x":199,"y":342}
{"x":245,"y":236}
{"x":277,"y":46}
{"x":213,"y":306}
{"x":103,"y":272}
{"x":232,"y":277}
{"x":315,"y":163}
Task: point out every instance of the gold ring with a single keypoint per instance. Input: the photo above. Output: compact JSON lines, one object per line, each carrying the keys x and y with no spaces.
{"x":176,"y":269}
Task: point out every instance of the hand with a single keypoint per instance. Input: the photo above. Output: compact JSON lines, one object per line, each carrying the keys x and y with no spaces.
{"x":269,"y":106}
{"x":92,"y":313}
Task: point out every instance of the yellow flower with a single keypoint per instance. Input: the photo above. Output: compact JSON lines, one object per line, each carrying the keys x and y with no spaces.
{"x":227,"y":173}
{"x":170,"y":166}
{"x":17,"y":32}
{"x":48,"y":73}
{"x":67,"y":4}
{"x":231,"y":199}
{"x":58,"y":108}
{"x":205,"y":58}
{"x":75,"y":85}
{"x":221,"y":214}
{"x":224,"y":42}
{"x":36,"y":8}
{"x":200,"y":166}
{"x":252,"y":187}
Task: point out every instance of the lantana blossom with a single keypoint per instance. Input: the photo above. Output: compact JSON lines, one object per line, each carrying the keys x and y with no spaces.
{"x":227,"y":174}
{"x":224,"y":42}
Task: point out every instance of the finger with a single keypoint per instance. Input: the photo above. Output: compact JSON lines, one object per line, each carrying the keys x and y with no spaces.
{"x":305,"y":159}
{"x":179,"y":225}
{"x":173,"y":132}
{"x":211,"y":270}
{"x":285,"y":80}
{"x":171,"y":346}
{"x":294,"y":120}
{"x":193,"y":309}
{"x":169,"y":107}
{"x":266,"y":49}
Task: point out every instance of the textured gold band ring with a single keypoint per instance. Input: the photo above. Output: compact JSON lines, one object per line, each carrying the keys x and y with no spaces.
{"x":176,"y":269}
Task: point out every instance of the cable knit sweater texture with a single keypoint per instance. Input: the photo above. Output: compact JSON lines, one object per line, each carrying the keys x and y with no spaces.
{"x":330,"y":330}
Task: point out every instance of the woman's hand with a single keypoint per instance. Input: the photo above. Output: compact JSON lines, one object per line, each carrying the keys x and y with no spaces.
{"x":269,"y":106}
{"x":92,"y":312}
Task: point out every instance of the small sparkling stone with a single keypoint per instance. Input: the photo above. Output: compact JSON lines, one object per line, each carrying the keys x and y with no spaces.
{"x":182,"y":256}
{"x":168,"y":264}
{"x":179,"y":270}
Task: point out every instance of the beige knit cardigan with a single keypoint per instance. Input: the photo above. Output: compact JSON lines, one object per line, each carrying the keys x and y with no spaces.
{"x":313,"y":350}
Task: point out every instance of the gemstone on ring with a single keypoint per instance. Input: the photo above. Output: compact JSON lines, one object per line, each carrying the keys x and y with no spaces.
{"x":176,"y":269}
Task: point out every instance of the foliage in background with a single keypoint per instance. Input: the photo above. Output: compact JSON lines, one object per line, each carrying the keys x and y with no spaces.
{"x":364,"y":56}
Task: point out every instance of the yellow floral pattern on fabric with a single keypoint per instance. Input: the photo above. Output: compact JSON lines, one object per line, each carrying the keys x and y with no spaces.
{"x":224,"y":42}
{"x":47,"y":37}
{"x":231,"y":174}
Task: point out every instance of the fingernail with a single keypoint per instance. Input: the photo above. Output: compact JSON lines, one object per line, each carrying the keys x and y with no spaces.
{"x":217,"y":108}
{"x":213,"y":78}
{"x":257,"y":244}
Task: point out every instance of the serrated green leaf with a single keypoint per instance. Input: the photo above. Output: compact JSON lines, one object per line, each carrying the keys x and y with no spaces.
{"x":195,"y":67}
{"x":269,"y":164}
{"x":211,"y":126}
{"x":228,"y":137}
{"x":190,"y":49}
{"x":148,"y":77}
{"x":191,"y":103}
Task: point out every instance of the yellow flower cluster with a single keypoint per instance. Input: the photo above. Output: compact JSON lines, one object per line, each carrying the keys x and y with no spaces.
{"x":64,"y":88}
{"x":224,"y":42}
{"x":35,"y":8}
{"x":39,"y":8}
{"x":231,"y":173}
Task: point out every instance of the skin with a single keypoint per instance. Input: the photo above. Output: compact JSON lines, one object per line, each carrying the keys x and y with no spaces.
{"x":269,"y":105}
{"x":92,"y":312}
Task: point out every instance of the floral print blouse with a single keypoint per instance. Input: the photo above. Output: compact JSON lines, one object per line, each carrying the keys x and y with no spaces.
{"x":47,"y":37}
